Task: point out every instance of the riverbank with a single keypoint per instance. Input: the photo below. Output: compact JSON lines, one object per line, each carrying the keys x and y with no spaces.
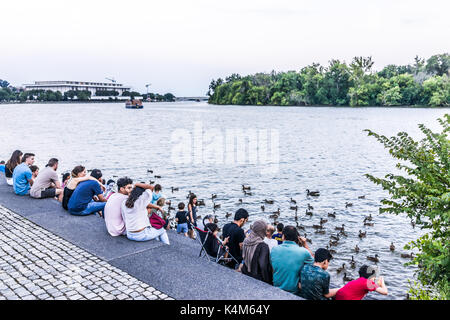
{"x":175,"y":270}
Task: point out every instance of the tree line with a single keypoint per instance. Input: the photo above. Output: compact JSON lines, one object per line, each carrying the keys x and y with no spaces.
{"x":9,"y":93}
{"x":423,"y":83}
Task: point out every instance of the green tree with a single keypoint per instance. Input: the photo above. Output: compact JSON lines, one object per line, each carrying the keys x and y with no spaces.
{"x":438,"y":64}
{"x":4,"y":84}
{"x":169,"y":97}
{"x":436,"y":91}
{"x":422,"y":192}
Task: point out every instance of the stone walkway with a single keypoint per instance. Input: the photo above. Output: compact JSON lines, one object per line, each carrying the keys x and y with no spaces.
{"x":36,"y":264}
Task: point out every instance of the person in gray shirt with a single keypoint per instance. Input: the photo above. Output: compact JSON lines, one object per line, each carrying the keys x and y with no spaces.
{"x":47,"y":184}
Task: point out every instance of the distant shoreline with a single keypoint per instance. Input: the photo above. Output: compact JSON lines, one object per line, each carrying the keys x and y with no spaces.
{"x":68,"y":102}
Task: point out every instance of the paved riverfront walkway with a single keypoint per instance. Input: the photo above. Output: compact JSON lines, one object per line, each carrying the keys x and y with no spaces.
{"x":36,"y":264}
{"x":47,"y":253}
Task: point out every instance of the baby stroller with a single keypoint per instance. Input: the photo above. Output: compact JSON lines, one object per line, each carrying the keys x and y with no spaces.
{"x":212,"y":248}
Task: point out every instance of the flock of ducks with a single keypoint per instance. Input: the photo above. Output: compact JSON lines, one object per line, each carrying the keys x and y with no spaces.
{"x":335,"y":238}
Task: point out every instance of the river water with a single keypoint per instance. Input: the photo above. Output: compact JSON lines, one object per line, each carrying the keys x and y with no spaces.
{"x":319,"y":148}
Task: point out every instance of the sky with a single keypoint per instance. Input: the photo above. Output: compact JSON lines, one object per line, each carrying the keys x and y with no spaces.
{"x":179,"y":46}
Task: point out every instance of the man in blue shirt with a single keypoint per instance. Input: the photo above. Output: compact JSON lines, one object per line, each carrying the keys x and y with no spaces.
{"x":2,"y":166}
{"x":81,"y":202}
{"x":22,"y":175}
{"x":288,"y":260}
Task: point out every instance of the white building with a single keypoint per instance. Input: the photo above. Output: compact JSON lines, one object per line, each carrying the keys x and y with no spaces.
{"x":64,"y":86}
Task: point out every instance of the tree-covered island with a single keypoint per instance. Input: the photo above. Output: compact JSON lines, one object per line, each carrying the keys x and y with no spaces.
{"x":423,"y":83}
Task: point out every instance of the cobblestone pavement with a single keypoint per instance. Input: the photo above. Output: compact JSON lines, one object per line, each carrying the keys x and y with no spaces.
{"x":36,"y":264}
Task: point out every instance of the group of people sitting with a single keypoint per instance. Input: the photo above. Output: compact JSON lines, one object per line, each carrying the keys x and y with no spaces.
{"x":135,"y":210}
{"x":285,"y":260}
{"x":129,"y":211}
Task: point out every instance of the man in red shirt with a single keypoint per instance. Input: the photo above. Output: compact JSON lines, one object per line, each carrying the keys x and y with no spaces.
{"x":357,"y":289}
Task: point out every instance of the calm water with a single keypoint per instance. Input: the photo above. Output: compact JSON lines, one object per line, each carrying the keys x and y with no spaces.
{"x":320,"y":148}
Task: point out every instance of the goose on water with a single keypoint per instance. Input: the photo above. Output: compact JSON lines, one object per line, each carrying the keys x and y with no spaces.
{"x":347,"y":279}
{"x":374,"y":259}
{"x":340,"y":269}
{"x":334,"y":237}
{"x":312,"y":193}
{"x":268,"y":201}
{"x":407,"y":256}
{"x":392,"y":247}
{"x":353,"y":263}
{"x":332,"y":251}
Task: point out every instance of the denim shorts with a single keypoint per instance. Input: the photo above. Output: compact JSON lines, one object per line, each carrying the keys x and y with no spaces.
{"x":182,"y":228}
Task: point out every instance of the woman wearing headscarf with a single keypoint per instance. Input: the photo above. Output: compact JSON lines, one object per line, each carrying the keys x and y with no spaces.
{"x":256,"y":254}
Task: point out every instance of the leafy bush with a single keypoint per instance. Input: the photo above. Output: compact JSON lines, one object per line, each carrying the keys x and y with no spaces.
{"x":423,"y":193}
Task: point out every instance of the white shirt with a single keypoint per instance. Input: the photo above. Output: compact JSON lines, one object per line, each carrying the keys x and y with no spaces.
{"x":136,"y":218}
{"x":271,"y":243}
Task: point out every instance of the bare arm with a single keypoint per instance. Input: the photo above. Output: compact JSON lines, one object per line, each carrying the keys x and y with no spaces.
{"x":306,"y":246}
{"x":75,"y":181}
{"x":191,"y":217}
{"x":382,"y":287}
{"x":331,"y":293}
{"x":154,"y":206}
{"x":101,"y":198}
{"x":144,"y":185}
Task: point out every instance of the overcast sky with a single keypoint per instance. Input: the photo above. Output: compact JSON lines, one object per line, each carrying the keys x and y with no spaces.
{"x":179,"y":46}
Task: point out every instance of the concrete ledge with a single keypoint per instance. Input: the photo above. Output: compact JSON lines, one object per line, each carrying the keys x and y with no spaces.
{"x":175,"y":269}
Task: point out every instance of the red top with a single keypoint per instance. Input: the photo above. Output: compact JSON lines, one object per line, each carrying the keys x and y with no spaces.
{"x":356,"y":289}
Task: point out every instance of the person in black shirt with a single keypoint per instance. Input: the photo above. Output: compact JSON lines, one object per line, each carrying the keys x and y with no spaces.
{"x":181,"y":219}
{"x":236,"y":235}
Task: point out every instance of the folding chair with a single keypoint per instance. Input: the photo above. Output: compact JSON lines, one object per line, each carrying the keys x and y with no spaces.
{"x":221,"y":255}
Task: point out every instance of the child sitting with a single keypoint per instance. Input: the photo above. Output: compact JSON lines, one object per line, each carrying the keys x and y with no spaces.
{"x":34,"y":172}
{"x":156,"y":193}
{"x":65,"y":179}
{"x":159,"y":220}
{"x":279,"y":235}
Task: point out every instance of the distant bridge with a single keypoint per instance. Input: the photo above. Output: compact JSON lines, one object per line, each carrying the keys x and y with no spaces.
{"x":191,"y":98}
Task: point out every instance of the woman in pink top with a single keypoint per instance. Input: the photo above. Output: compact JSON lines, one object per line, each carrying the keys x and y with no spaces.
{"x":357,"y":289}
{"x":113,"y":215}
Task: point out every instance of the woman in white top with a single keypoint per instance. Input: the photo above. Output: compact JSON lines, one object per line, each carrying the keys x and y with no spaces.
{"x":135,"y":215}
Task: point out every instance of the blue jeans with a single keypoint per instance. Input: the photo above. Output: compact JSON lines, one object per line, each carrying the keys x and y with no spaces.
{"x":149,"y":233}
{"x":92,"y":207}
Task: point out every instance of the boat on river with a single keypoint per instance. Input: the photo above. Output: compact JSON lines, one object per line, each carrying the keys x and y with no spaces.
{"x":134,"y":104}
